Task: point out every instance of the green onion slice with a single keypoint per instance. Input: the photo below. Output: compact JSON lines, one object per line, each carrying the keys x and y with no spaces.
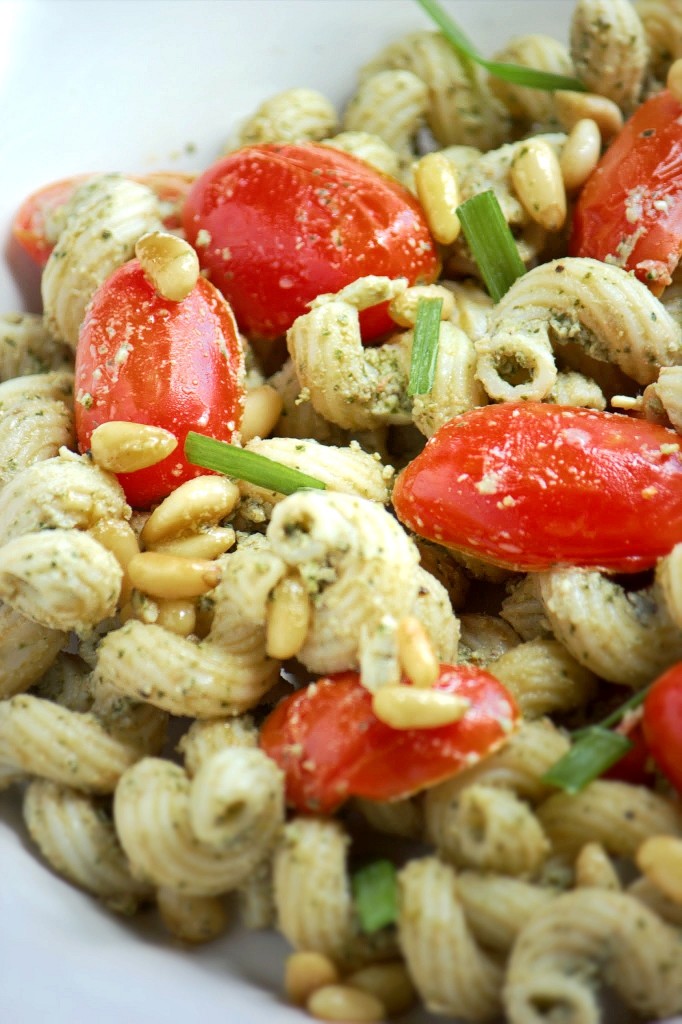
{"x":515,"y":73}
{"x":425,"y":346}
{"x":595,"y":752}
{"x":375,"y":890}
{"x":491,"y":242}
{"x":236,"y":462}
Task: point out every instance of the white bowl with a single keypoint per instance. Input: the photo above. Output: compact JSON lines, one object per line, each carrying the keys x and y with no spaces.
{"x":138,"y":86}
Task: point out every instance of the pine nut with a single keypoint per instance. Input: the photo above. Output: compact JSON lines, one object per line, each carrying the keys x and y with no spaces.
{"x":415,"y":652}
{"x":172,"y":577}
{"x":660,"y":859}
{"x":390,"y":983}
{"x":202,"y":501}
{"x":403,"y":309}
{"x":406,"y":707}
{"x":341,"y":1002}
{"x":288,"y":619}
{"x":536,"y":177}
{"x":177,"y":616}
{"x":123,"y":447}
{"x":305,"y":972}
{"x":262,"y":408}
{"x":572,"y":107}
{"x":674,"y":81}
{"x":170,"y":264}
{"x":437,"y":186}
{"x":209,"y":542}
{"x":119,"y":538}
{"x":594,"y":870}
{"x":581,"y":152}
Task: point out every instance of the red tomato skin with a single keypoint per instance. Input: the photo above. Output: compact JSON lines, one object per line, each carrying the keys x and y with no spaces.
{"x":29,"y":225}
{"x":289,"y":222}
{"x":640,"y":174}
{"x":532,"y":485}
{"x":145,"y":359}
{"x":663,"y":724}
{"x":331,"y":745}
{"x":635,"y":766}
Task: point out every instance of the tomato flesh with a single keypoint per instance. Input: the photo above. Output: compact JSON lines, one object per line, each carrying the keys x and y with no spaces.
{"x":145,"y":359}
{"x":630,"y":209}
{"x":331,"y":745}
{"x":534,"y":485}
{"x":277,"y":225}
{"x":662,"y":723}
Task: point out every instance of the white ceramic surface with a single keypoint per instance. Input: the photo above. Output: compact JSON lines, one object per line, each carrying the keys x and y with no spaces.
{"x":137,"y":85}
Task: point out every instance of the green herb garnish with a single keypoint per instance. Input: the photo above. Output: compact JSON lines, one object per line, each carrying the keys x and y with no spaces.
{"x":491,"y":242}
{"x":425,"y":346}
{"x":375,"y":890}
{"x":236,"y":462}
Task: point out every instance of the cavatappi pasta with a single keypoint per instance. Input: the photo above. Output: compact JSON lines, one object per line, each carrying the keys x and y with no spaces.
{"x":141,"y":650}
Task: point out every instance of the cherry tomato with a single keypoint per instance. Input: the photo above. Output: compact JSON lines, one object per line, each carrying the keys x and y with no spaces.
{"x":278,"y":225}
{"x":35,"y":234}
{"x":635,"y":766}
{"x":663,"y":723}
{"x":145,"y":359}
{"x":331,"y":745}
{"x":631,"y":206}
{"x":533,"y":485}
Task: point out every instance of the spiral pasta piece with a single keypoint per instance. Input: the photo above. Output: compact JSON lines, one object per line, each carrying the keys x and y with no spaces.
{"x":552,"y":963}
{"x":295,"y":115}
{"x":609,"y":49}
{"x":455,"y":388}
{"x":544,"y":678}
{"x":662,"y":22}
{"x":27,"y":649}
{"x":107,"y":216}
{"x":27,"y":347}
{"x":391,"y":104}
{"x":533,"y":106}
{"x":498,"y":906}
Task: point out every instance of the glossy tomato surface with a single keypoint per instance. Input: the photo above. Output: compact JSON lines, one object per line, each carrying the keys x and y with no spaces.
{"x":277,"y":225}
{"x":535,"y":485}
{"x":662,"y":723}
{"x":331,"y":745}
{"x":145,"y":359}
{"x":630,"y":210}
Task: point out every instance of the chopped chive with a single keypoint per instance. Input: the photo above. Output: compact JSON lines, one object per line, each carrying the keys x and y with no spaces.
{"x":375,"y":890}
{"x":491,"y":242}
{"x":257,"y":469}
{"x":515,"y":73}
{"x":425,"y":346}
{"x":595,"y":752}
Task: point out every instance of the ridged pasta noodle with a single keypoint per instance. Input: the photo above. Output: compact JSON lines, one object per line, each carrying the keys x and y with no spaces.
{"x":627,"y":638}
{"x":153,"y":810}
{"x":295,"y":115}
{"x":79,"y":842}
{"x":36,"y":420}
{"x":27,"y":347}
{"x":192,"y":919}
{"x":662,"y":22}
{"x":552,"y":965}
{"x":107,"y":215}
{"x":544,"y":678}
{"x":531,"y":106}
{"x":498,"y":906}
{"x":391,"y":104}
{"x":609,"y":49}
{"x":368,"y":147}
{"x":603,"y":308}
{"x":27,"y":649}
{"x":594,"y":869}
{"x":666,"y":394}
{"x":452,"y":974}
{"x":523,"y":609}
{"x":455,"y":388}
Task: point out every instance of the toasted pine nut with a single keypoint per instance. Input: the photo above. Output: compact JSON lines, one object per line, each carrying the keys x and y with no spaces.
{"x":536,"y":177}
{"x":406,"y":707}
{"x":177,"y":616}
{"x":170,"y":263}
{"x":390,"y":983}
{"x":202,"y":501}
{"x":580,"y":154}
{"x":305,"y":972}
{"x":172,"y":577}
{"x":415,"y":652}
{"x":262,"y":408}
{"x":288,"y":619}
{"x":660,"y":859}
{"x":118,"y":537}
{"x":572,"y":107}
{"x":123,"y":447}
{"x":438,"y":190}
{"x":193,"y":919}
{"x":341,"y":1002}
{"x":594,"y":870}
{"x":209,"y":542}
{"x":403,"y":309}
{"x":674,"y":81}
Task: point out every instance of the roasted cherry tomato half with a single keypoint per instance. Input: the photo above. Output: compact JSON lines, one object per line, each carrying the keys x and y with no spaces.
{"x":144,"y":359}
{"x":36,"y":224}
{"x":331,"y":745}
{"x":662,"y":723}
{"x":534,"y":485}
{"x":277,"y":225}
{"x":636,"y":766}
{"x":630,"y":209}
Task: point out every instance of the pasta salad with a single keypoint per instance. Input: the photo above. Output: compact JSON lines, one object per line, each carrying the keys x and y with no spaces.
{"x":341,"y":501}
